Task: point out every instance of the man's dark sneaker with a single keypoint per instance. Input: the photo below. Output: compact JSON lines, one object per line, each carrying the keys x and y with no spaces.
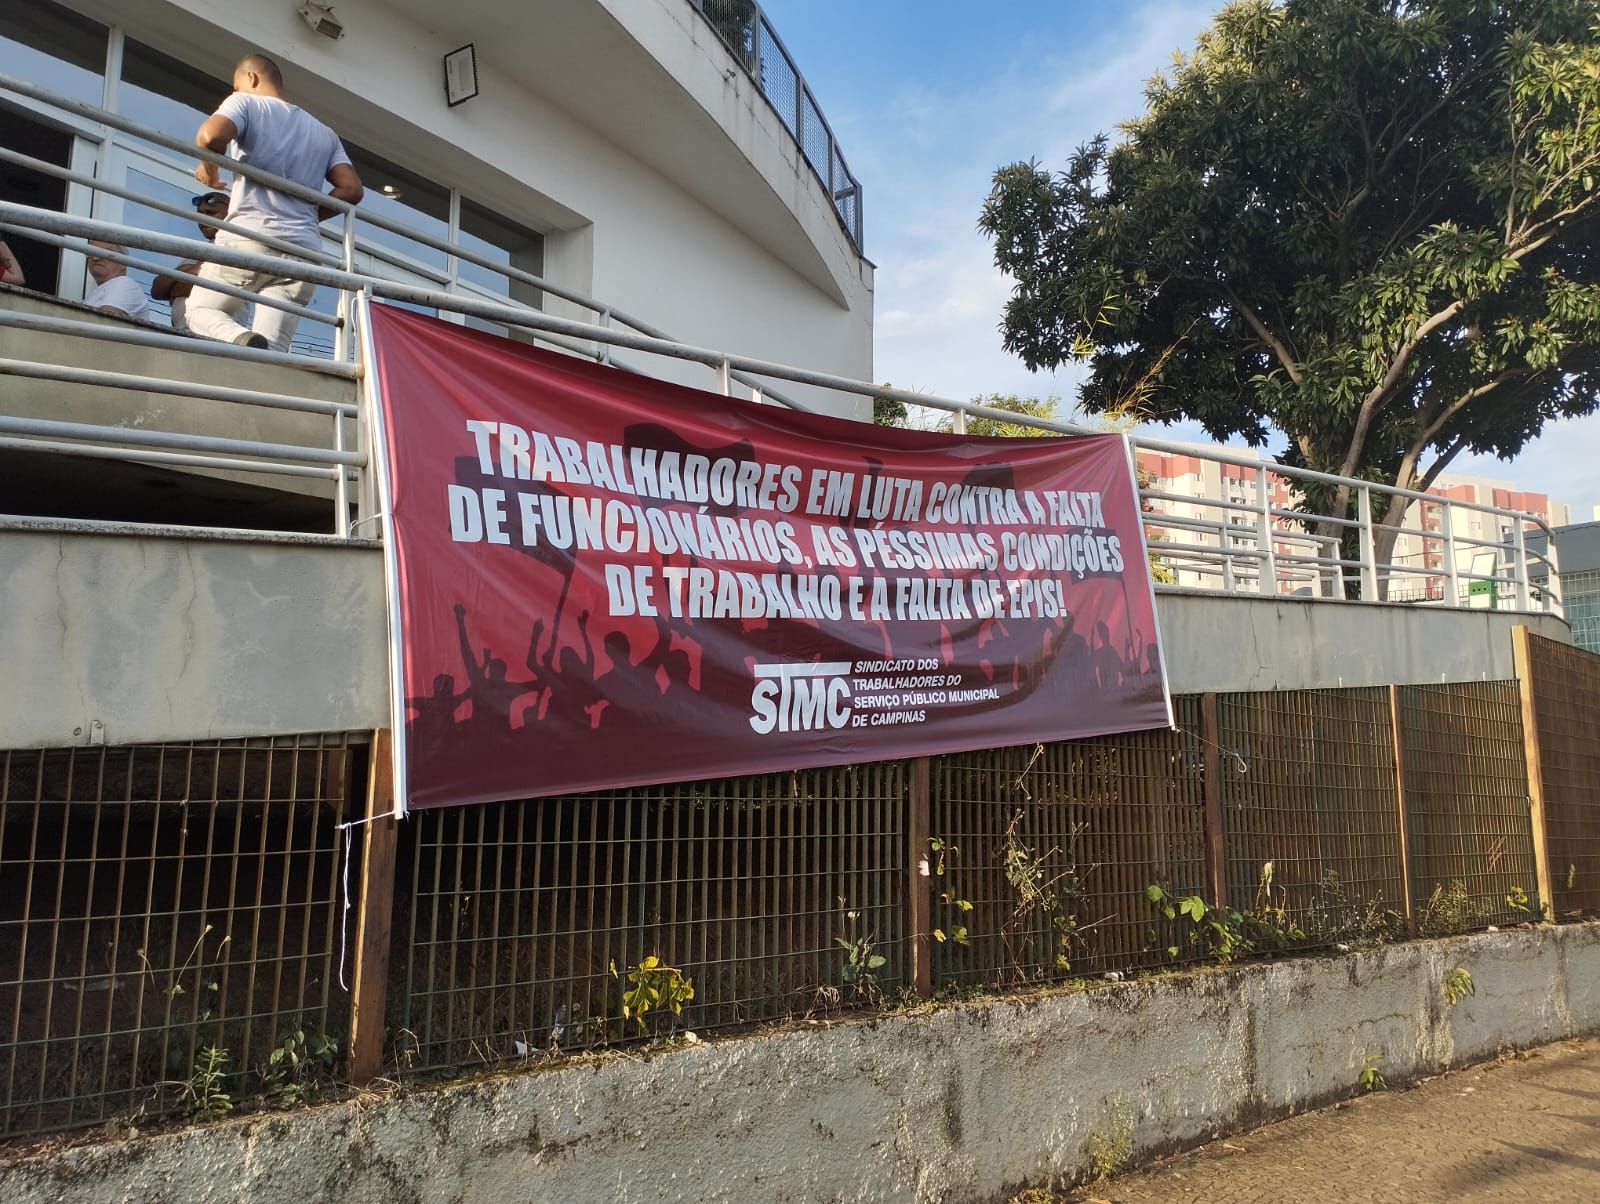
{"x":251,"y":339}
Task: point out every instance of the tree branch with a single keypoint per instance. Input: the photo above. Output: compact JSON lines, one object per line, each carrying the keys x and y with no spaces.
{"x":1266,"y":336}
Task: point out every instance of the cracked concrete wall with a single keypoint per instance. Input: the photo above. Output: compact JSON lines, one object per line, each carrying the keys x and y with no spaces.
{"x":1235,"y":642}
{"x":182,"y":638}
{"x":965,"y":1103}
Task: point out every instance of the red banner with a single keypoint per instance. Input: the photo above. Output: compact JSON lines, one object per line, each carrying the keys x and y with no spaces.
{"x":608,"y":581}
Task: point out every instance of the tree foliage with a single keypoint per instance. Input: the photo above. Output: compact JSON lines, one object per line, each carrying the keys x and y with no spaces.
{"x":886,"y":411}
{"x":1367,"y":223}
{"x":1027,"y":407}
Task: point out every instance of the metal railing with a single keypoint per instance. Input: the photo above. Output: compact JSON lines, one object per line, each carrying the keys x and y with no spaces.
{"x":747,"y":33}
{"x":1272,"y":543}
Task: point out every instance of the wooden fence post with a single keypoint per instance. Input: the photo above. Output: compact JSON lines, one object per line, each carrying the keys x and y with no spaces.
{"x":919,"y":882}
{"x":1402,"y":818}
{"x":370,"y":987}
{"x":1216,"y":855}
{"x":1522,"y":657}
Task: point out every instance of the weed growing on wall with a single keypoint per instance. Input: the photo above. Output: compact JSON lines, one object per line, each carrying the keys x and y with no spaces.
{"x":1371,"y":1078}
{"x":653,"y":988}
{"x":1448,"y":911}
{"x":205,"y":1092}
{"x":1458,"y":985}
{"x":1047,"y":887}
{"x":941,"y":857}
{"x":299,"y":1067}
{"x":1110,"y":1146}
{"x":861,"y":963}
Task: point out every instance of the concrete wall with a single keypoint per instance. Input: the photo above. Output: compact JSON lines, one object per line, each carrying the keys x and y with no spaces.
{"x":1238,"y":642}
{"x":166,"y":635}
{"x":963,"y":1103}
{"x":185,"y":638}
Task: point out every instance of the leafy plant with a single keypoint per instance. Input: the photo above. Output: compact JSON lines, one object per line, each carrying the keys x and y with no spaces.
{"x":1458,"y":985}
{"x":1225,"y":934}
{"x":298,"y":1067}
{"x":1111,"y":1145}
{"x":1334,"y":917}
{"x":861,"y":965}
{"x":939,"y":853}
{"x":1041,"y":894}
{"x":653,"y":987}
{"x":1371,"y":1078}
{"x":1448,"y":911}
{"x":205,"y":1090}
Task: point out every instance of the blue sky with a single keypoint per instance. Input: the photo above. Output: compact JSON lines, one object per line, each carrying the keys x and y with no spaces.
{"x":928,"y":98}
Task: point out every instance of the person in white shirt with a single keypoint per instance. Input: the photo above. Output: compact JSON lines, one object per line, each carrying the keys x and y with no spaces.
{"x":256,"y":125}
{"x":113,"y":292}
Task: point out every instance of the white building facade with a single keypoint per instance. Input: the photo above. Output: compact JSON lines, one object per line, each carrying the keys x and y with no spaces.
{"x":617,"y":148}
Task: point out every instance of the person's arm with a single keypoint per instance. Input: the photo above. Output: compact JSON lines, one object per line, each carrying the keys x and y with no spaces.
{"x":346,"y":187}
{"x":165,"y":288}
{"x":214,"y":135}
{"x":10,"y":269}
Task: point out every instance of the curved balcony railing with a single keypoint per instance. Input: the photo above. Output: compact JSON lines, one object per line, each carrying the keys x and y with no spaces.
{"x":747,"y":33}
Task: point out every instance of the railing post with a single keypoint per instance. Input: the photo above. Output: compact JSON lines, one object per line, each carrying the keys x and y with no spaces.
{"x":1554,"y":599}
{"x":1269,"y":555}
{"x":1369,"y":549}
{"x":959,"y":425}
{"x":724,"y":379}
{"x":1453,"y":581}
{"x":341,"y":487}
{"x":369,"y":990}
{"x":1519,"y":536}
{"x":1216,"y":849}
{"x":1522,"y":658}
{"x":1402,"y":816}
{"x":919,"y":882}
{"x":341,"y":332}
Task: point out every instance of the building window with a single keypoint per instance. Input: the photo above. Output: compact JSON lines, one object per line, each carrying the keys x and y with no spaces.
{"x":54,"y":46}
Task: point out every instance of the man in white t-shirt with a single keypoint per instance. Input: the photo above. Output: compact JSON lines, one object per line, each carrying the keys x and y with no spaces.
{"x":113,"y":292}
{"x":256,"y":125}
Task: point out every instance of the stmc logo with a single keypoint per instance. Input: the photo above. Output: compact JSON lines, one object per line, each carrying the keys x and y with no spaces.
{"x":803,"y":697}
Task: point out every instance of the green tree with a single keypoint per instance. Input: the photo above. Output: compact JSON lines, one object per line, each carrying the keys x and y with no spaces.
{"x":1029,"y":407}
{"x":1367,"y":223}
{"x":886,"y":411}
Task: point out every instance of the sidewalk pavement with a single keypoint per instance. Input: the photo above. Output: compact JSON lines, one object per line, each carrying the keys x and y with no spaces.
{"x":1524,"y":1127}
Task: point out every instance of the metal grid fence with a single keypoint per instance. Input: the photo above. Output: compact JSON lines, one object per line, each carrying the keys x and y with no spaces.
{"x":1047,"y":851}
{"x":170,"y":899}
{"x":1311,"y":820}
{"x":1565,"y":694}
{"x":1469,"y":821}
{"x":160,"y":900}
{"x":758,"y":890}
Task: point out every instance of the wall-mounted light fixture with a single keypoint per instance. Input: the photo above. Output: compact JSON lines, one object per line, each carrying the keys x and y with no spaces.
{"x":321,"y":19}
{"x":460,"y":75}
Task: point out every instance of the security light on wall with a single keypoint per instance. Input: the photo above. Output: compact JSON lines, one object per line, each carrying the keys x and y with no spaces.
{"x":320,"y":17}
{"x":460,"y":75}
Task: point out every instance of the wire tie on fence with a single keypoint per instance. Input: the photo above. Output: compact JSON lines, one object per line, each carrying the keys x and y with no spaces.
{"x":344,"y":916}
{"x":371,"y":518}
{"x":1244,"y":766}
